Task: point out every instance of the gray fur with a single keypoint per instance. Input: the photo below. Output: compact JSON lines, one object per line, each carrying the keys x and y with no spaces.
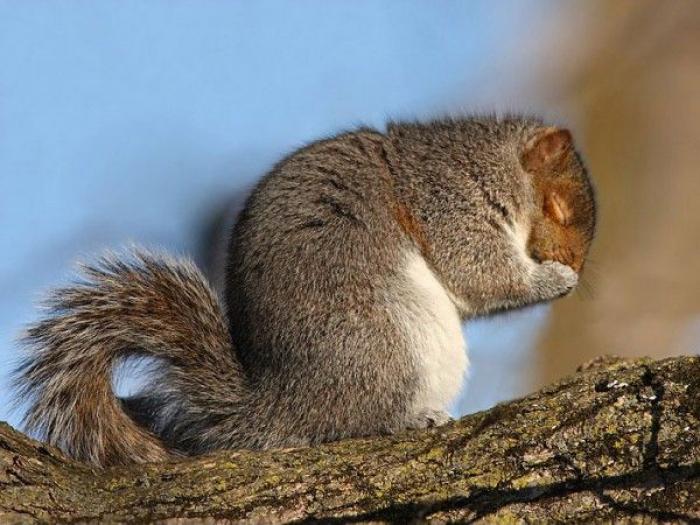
{"x":315,"y":278}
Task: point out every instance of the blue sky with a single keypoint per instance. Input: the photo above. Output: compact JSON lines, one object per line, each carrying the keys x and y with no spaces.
{"x":133,"y":121}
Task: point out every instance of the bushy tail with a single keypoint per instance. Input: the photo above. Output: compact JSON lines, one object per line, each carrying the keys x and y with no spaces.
{"x":139,"y":306}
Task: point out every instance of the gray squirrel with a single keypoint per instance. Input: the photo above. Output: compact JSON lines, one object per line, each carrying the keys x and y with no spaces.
{"x":349,"y":272}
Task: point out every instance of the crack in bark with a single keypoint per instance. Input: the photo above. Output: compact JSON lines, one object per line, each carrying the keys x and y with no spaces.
{"x":651,"y":452}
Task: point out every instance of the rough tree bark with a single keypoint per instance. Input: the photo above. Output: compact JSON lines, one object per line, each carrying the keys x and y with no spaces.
{"x":618,"y":440}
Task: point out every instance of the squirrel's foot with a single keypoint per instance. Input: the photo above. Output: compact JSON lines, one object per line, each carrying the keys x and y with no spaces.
{"x":428,"y":419}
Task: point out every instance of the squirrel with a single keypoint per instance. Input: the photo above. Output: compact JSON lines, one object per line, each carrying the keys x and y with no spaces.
{"x":349,"y":272}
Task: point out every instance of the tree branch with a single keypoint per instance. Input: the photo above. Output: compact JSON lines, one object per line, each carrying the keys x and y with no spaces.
{"x":619,"y":439}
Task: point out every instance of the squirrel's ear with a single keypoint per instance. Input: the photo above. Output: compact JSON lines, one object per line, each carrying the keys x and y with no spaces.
{"x":546,"y":149}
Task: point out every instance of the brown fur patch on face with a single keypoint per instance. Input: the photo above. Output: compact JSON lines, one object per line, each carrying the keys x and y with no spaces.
{"x":550,"y":241}
{"x":560,"y":229}
{"x":562,"y":225}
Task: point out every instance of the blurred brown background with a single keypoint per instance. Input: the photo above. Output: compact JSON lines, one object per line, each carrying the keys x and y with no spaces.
{"x":634,"y":95}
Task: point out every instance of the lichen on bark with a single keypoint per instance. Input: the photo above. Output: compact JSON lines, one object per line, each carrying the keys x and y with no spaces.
{"x":618,"y":440}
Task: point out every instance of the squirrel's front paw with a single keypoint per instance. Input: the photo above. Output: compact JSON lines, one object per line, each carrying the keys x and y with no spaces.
{"x":556,"y":279}
{"x":428,"y":419}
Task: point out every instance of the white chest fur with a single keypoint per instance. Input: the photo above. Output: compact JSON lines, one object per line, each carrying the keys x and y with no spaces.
{"x":433,"y":329}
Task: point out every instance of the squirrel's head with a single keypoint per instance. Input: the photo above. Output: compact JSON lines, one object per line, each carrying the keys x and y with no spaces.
{"x":563,"y":222}
{"x":481,"y":180}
